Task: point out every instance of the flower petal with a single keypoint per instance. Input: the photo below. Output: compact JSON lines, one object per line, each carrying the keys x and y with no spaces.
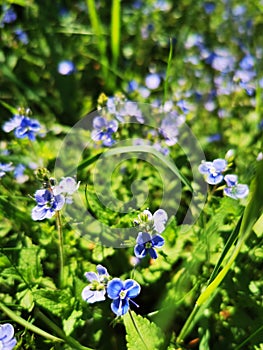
{"x":92,"y":296}
{"x":152,"y":253}
{"x":91,"y":276}
{"x":157,"y":241}
{"x":140,"y":251}
{"x":214,"y":179}
{"x":99,"y":123}
{"x":204,"y":167}
{"x":6,"y":332}
{"x":120,"y":306}
{"x":132,"y":288}
{"x":220,"y":164}
{"x":160,"y":218}
{"x":143,"y":237}
{"x":115,"y":286}
{"x":102,"y":270}
{"x":231,"y":180}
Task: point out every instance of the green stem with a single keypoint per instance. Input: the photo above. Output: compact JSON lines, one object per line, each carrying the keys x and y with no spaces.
{"x":168,"y":71}
{"x":137,"y":330}
{"x":188,"y":324}
{"x":69,"y":340}
{"x":61,"y":249}
{"x":27,"y":324}
{"x":241,"y":346}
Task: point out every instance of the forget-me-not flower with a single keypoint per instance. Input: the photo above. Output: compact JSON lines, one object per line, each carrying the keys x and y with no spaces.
{"x":96,"y":290}
{"x":66,"y":67}
{"x":47,"y":204}
{"x":122,"y":292}
{"x":5,"y":168}
{"x":170,"y":127}
{"x":149,"y":239}
{"x":7,"y":339}
{"x":146,"y":244}
{"x":103,"y":130}
{"x":213,"y":170}
{"x":23,"y":126}
{"x":234,"y":189}
{"x":67,"y":186}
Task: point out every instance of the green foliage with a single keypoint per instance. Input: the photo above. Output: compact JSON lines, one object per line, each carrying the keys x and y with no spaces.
{"x":141,"y":333}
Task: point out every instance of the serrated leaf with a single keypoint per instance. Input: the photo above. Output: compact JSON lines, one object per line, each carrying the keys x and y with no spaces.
{"x":69,"y":323}
{"x":141,"y":333}
{"x":58,"y":302}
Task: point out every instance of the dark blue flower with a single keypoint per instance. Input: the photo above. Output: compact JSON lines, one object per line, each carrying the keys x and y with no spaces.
{"x":234,"y":189}
{"x":47,"y":204}
{"x":122,"y":292}
{"x":213,"y":170}
{"x":103,"y":130}
{"x":7,"y":340}
{"x":4,"y":168}
{"x":96,"y":290}
{"x":146,"y":244}
{"x":23,"y":126}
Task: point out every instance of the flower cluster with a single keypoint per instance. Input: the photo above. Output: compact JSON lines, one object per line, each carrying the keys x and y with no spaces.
{"x":7,"y":339}
{"x":149,"y":238}
{"x":121,"y":292}
{"x":52,"y":198}
{"x":22,"y":125}
{"x":213,"y":173}
{"x":103,"y":130}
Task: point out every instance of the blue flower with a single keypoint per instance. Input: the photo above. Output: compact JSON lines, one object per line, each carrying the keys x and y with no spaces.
{"x":9,"y":15}
{"x":22,"y":36}
{"x":23,"y":126}
{"x":96,"y":290}
{"x":47,"y":204}
{"x":170,"y":127}
{"x":152,"y":81}
{"x":103,"y":130}
{"x":152,"y":222}
{"x":234,"y":189}
{"x":4,"y":168}
{"x":122,"y":292}
{"x":19,"y":173}
{"x":7,"y":340}
{"x":66,"y":67}
{"x":213,"y":170}
{"x":146,"y":244}
{"x":67,"y":186}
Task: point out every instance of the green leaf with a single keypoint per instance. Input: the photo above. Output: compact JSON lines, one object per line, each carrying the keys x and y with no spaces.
{"x":141,"y":333}
{"x":70,"y":323}
{"x":29,"y":264}
{"x":58,"y":302}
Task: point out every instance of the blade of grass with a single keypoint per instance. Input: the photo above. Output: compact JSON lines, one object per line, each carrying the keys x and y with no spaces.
{"x":98,"y":32}
{"x":115,"y":30}
{"x":252,"y":214}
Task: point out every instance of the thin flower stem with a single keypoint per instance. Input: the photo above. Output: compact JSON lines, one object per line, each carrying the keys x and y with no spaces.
{"x":27,"y":324}
{"x":137,"y":330}
{"x":61,"y":249}
{"x":69,"y":340}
